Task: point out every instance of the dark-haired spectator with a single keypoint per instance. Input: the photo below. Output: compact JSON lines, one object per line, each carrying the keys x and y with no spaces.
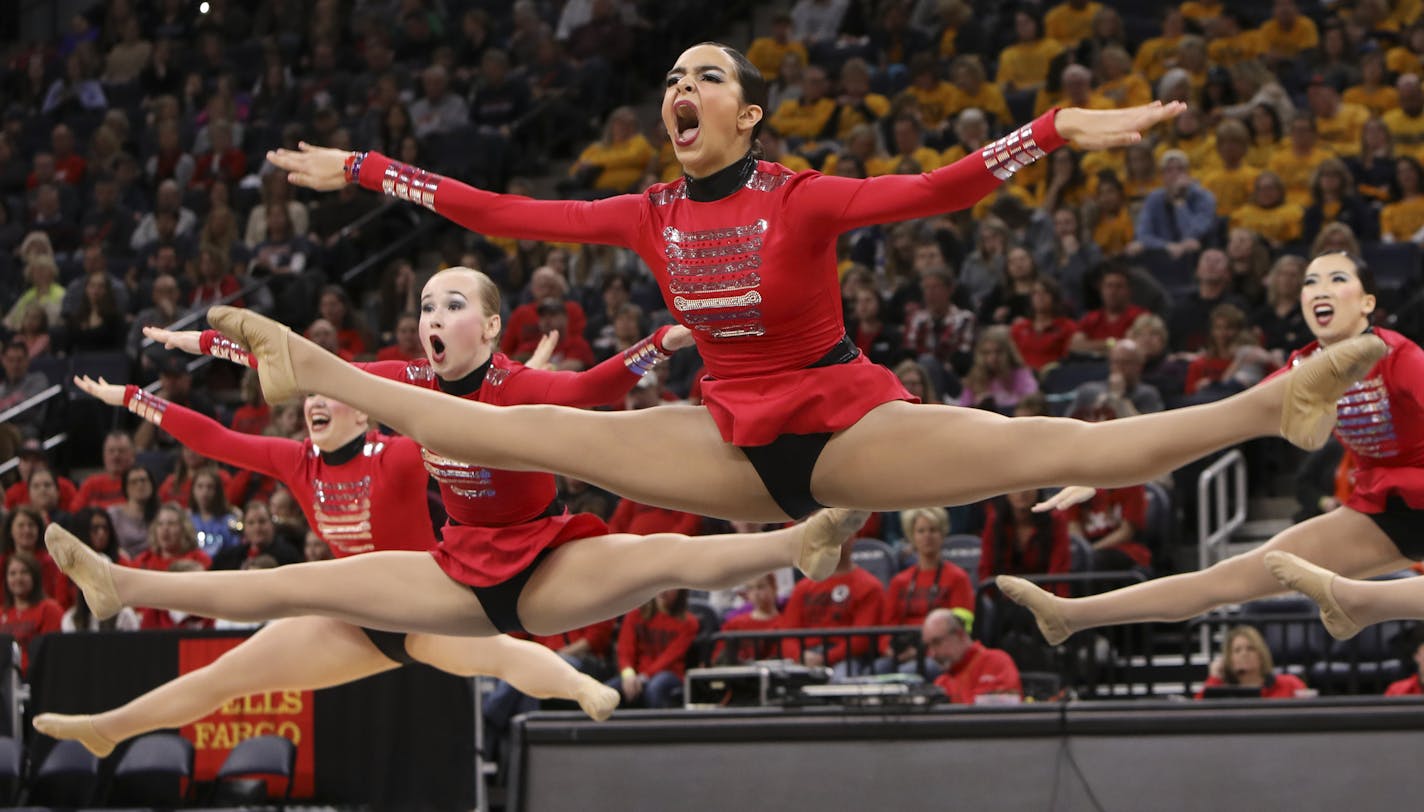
{"x":1230,"y":359}
{"x":1099,"y":329}
{"x":1070,"y":257}
{"x":970,"y":669}
{"x":521,"y":332}
{"x":132,"y":518}
{"x":222,"y":161}
{"x":28,"y":611}
{"x":767,"y":52}
{"x":69,"y":166}
{"x":19,"y":385}
{"x":941,"y":332}
{"x":1295,"y":165}
{"x":1164,"y":370}
{"x":809,"y":116}
{"x":1024,"y":64}
{"x":880,"y":340}
{"x":352,"y":337}
{"x":175,"y":384}
{"x":78,"y":91}
{"x":652,"y":651}
{"x":1111,"y":520}
{"x":762,"y":615}
{"x":44,"y":495}
{"x":1333,"y":199}
{"x":167,"y":201}
{"x":259,"y":536}
{"x":1402,"y":219}
{"x":1179,"y":216}
{"x":1043,"y":336}
{"x":97,"y":324}
{"x":276,"y":191}
{"x":213,"y":519}
{"x":850,"y":597}
{"x":1269,"y":214}
{"x":164,"y":309}
{"x":30,"y":457}
{"x":1406,"y":122}
{"x":1189,"y":321}
{"x":407,"y":345}
{"x":1017,"y":541}
{"x":107,"y":222}
{"x":48,"y":215}
{"x":283,"y":251}
{"x":24,"y":535}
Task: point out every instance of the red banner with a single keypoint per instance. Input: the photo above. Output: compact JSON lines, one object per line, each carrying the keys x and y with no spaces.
{"x":281,"y":713}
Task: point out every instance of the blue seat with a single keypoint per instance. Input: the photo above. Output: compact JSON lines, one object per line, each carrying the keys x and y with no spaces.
{"x":963,"y":550}
{"x":66,"y":777}
{"x":1292,"y":642}
{"x":153,"y":772}
{"x":9,"y":770}
{"x":1066,"y":377}
{"x":114,"y":367}
{"x":875,"y":557}
{"x":273,"y":756}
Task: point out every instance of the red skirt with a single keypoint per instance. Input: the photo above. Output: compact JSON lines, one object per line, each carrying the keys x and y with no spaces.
{"x":1375,"y":483}
{"x":485,"y":556}
{"x":755,"y":410}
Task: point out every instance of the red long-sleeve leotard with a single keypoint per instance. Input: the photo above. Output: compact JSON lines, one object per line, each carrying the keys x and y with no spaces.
{"x":752,"y":274}
{"x":495,"y":528}
{"x":374,"y":501}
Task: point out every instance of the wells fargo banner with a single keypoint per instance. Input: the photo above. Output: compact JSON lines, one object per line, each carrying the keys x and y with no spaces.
{"x":280,"y":713}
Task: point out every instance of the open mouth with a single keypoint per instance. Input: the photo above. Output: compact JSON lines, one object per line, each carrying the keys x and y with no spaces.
{"x":320,"y":421}
{"x":437,"y":349}
{"x":1323,"y":313}
{"x":688,"y":123}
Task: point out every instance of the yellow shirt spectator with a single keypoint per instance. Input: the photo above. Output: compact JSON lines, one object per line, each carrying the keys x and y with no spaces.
{"x":623,"y":162}
{"x":1400,"y":221}
{"x":1227,"y":51}
{"x":927,"y":159}
{"x":983,"y":208}
{"x":1129,"y":90}
{"x":1262,"y":150}
{"x":935,"y":102}
{"x":1200,"y":149}
{"x":1277,"y":40}
{"x":1295,"y":171}
{"x":1378,"y":99}
{"x":1341,"y":132}
{"x":1407,"y":132}
{"x":802,"y":119}
{"x":1400,"y":60}
{"x":1153,"y":55}
{"x":767,"y":54}
{"x":1070,"y":25}
{"x":1026,"y":64}
{"x":1200,"y":11}
{"x":1232,"y":187}
{"x":990,"y":99}
{"x":1112,"y":233}
{"x":1278,"y":224}
{"x":871,"y":108}
{"x":1406,"y":12}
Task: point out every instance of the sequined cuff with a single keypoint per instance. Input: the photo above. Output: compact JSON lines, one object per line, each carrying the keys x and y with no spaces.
{"x":220,"y":346}
{"x":147,"y":406}
{"x":1011,"y":153}
{"x":352,"y":166}
{"x":411,"y":183}
{"x":643,"y":357}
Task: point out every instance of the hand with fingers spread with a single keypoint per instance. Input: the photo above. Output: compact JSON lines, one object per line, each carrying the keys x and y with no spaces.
{"x":111,"y":394}
{"x":544,"y":353}
{"x":319,"y":168}
{"x":1066,"y":498}
{"x":1105,"y":129}
{"x":184,"y":340}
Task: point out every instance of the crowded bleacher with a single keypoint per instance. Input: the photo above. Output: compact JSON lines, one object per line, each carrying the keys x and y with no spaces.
{"x":134,"y":191}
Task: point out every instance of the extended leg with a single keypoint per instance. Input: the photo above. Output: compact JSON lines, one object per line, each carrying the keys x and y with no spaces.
{"x":1343,"y":540}
{"x":295,"y":654}
{"x":531,"y":668}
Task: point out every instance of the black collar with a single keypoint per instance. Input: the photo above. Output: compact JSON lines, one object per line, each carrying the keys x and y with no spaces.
{"x":468,"y":385}
{"x":722,"y":183}
{"x":346,"y":453}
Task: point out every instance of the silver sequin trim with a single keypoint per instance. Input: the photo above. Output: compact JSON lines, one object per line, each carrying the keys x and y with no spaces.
{"x":746,"y":299}
{"x":1011,"y":153}
{"x":750,"y":280}
{"x":674,"y":235}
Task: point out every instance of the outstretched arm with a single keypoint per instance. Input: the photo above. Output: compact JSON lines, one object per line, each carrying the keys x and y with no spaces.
{"x":273,"y":456}
{"x":612,"y":221}
{"x":841,"y":204}
{"x":605,"y":383}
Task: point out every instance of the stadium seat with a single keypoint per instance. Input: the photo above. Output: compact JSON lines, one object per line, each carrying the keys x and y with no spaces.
{"x":66,"y":778}
{"x":1066,"y":377}
{"x":963,"y":550}
{"x":9,"y":770}
{"x":237,"y":779}
{"x":1298,"y":638}
{"x":154,"y":771}
{"x":875,"y":557}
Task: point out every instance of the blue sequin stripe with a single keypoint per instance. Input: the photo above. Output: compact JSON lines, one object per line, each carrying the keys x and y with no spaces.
{"x":643,"y":357}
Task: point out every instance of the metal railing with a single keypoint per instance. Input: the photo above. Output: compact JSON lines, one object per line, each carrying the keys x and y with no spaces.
{"x":1220,"y":511}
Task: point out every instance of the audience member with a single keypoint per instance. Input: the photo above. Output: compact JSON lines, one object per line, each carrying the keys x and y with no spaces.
{"x":971,"y":673}
{"x":652,"y":651}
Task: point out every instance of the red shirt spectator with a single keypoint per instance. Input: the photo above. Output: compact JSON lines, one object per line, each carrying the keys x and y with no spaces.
{"x":653,"y":641}
{"x":978,"y":672}
{"x":19,"y":494}
{"x":396,"y":353}
{"x":1111,"y":518}
{"x":27,"y":613}
{"x":596,"y":640}
{"x":252,"y":419}
{"x":1017,"y":541}
{"x":1409,"y":686}
{"x":228,"y":165}
{"x":763,"y":617}
{"x":522,"y":333}
{"x":158,"y":562}
{"x":851,"y":597}
{"x":99,"y":490}
{"x":1041,"y":347}
{"x":1100,"y":325}
{"x":1278,"y":686}
{"x":643,"y":520}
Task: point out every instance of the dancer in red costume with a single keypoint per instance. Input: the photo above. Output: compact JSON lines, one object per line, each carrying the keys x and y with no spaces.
{"x":506,"y":563}
{"x":794,"y":417}
{"x":362,"y":491}
{"x":1380,"y":528}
